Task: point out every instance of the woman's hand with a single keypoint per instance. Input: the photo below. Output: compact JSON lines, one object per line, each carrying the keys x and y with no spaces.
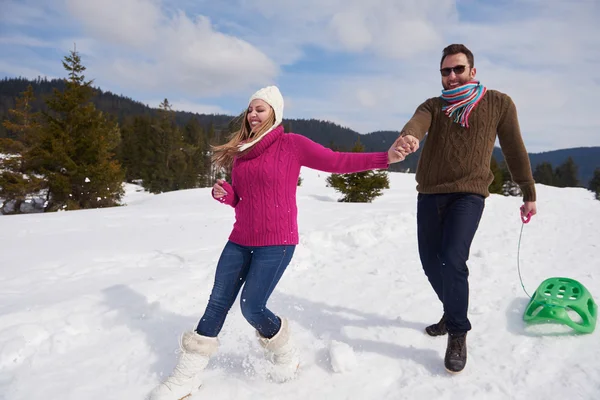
{"x":218,"y":191}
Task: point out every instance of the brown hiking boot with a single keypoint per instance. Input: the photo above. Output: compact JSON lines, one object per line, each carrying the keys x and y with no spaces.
{"x":456,"y":352}
{"x":438,"y":329}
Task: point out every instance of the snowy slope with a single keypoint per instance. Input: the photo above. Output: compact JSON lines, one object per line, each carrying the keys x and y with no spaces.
{"x":92,"y":302}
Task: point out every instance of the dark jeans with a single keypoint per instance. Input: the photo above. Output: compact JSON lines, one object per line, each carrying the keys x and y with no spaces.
{"x":260,"y":268}
{"x":446,"y":225}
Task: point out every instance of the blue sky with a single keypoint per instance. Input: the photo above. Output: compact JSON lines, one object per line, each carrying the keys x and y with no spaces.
{"x":363,"y":64}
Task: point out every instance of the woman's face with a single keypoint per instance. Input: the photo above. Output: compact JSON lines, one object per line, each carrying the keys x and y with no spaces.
{"x":258,"y":112}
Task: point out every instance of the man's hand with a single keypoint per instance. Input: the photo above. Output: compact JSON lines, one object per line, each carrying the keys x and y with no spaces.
{"x":409,"y":143}
{"x":528,"y":210}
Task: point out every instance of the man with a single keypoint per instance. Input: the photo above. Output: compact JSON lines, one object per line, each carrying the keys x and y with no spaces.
{"x":453,"y":176}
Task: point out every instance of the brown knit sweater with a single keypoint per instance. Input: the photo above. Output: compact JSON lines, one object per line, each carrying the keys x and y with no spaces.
{"x":456,"y":159}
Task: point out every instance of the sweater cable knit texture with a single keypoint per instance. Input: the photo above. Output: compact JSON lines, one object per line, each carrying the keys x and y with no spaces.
{"x":456,"y":159}
{"x":265,"y":179}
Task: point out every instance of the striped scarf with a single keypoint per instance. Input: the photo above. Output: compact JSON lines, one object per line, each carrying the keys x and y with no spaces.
{"x":462,"y":100}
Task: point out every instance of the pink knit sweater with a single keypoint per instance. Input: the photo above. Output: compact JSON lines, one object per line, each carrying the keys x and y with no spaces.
{"x":264,"y":182}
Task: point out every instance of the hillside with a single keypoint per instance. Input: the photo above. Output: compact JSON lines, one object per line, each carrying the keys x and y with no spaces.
{"x":323,"y":132}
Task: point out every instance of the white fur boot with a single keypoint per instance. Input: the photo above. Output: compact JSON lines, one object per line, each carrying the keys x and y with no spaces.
{"x":185,"y":379}
{"x":282,"y":353}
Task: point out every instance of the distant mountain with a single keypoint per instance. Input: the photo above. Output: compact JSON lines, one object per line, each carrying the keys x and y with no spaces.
{"x":587,"y":160}
{"x":323,"y":132}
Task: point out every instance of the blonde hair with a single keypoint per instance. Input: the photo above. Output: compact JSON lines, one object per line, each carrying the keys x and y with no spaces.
{"x":224,"y":154}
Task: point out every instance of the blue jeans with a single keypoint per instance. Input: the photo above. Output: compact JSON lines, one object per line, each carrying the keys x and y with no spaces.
{"x":446,"y":226}
{"x":260,"y":268}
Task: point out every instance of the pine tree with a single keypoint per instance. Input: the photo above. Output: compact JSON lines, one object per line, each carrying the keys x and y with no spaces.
{"x":566,"y":174}
{"x":17,"y":182}
{"x":212,"y":173}
{"x":22,"y":121}
{"x":498,"y":182}
{"x":193,"y":134}
{"x":595,"y":183}
{"x":360,"y":187}
{"x":544,"y":174}
{"x":170,"y":158}
{"x":163,"y":161}
{"x":194,"y":149}
{"x":75,"y":149}
{"x":134,"y":147}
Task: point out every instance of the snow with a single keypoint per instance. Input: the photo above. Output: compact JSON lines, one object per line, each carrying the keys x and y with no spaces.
{"x":92,"y":302}
{"x":342,"y":357}
{"x":8,"y":156}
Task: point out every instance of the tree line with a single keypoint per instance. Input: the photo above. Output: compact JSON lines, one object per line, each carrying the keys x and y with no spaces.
{"x":63,"y":153}
{"x":71,"y":156}
{"x":564,"y":175}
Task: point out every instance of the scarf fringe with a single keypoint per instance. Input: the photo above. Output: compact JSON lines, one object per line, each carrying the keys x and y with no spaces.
{"x":462,"y":100}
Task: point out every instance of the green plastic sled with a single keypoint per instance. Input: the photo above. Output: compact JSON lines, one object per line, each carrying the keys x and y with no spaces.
{"x":555,"y":296}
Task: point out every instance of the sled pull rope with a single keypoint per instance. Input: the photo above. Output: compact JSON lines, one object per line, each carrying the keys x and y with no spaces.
{"x":525,"y":220}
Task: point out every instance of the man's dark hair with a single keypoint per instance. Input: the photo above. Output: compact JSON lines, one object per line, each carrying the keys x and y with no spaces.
{"x":457,"y":49}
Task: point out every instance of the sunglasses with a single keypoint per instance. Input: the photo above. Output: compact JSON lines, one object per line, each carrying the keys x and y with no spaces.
{"x":458,"y":69}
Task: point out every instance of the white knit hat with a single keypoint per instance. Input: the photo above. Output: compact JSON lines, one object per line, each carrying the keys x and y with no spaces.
{"x":272,"y":96}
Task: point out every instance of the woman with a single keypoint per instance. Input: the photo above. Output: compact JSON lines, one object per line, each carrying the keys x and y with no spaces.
{"x":265,"y":169}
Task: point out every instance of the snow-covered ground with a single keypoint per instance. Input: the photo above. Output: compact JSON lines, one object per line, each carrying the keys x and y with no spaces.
{"x":92,"y":302}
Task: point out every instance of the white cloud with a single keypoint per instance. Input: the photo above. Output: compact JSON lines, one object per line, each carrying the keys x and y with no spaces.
{"x":200,"y":50}
{"x":351,"y":30}
{"x":386,"y":28}
{"x":366,"y":65}
{"x":549,"y":112}
{"x":172,"y":53}
{"x":545,"y":59}
{"x":121,"y":22}
{"x":400,"y":30}
{"x":552,"y":115}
